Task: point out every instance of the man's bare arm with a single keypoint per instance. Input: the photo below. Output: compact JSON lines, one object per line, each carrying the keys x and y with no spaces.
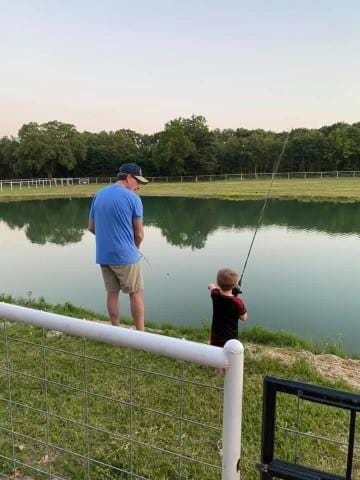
{"x":91,"y":226}
{"x":138,"y":231}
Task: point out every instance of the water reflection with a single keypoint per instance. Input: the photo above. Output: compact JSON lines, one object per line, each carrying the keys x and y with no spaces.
{"x":61,"y":222}
{"x":184,"y":222}
{"x":302,"y":275}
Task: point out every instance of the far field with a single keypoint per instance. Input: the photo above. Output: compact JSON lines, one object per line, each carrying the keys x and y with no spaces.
{"x":332,"y":189}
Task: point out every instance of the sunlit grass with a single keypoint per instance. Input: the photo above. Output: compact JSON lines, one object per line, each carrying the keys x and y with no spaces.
{"x":336,"y":189}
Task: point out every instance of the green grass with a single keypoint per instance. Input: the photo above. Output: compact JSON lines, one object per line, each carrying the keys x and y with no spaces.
{"x":255,"y":334}
{"x":333,"y":189}
{"x":108,"y":374}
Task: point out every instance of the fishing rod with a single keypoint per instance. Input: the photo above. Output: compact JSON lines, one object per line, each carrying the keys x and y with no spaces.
{"x":237,"y":289}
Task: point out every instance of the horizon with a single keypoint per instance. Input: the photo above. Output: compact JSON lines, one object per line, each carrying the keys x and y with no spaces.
{"x":239,"y":64}
{"x":211,"y":129}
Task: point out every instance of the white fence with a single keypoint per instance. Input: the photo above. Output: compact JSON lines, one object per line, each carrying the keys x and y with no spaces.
{"x":73,"y":407}
{"x":41,"y":183}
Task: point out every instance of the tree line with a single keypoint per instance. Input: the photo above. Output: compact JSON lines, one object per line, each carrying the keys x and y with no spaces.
{"x":186,"y":146}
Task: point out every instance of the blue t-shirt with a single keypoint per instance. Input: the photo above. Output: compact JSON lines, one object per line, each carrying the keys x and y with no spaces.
{"x":113,"y":210}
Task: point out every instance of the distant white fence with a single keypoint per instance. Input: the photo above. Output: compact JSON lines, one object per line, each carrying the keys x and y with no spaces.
{"x":41,"y":183}
{"x":27,"y":401}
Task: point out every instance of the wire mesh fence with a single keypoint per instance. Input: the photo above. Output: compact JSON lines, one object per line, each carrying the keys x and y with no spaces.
{"x":72,"y":408}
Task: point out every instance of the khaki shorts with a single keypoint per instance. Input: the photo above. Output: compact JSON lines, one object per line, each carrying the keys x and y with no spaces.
{"x":127,"y":278}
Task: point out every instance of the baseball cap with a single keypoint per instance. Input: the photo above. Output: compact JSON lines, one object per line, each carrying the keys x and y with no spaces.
{"x":134,"y":170}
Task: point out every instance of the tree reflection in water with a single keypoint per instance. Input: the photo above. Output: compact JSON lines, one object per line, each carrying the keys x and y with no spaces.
{"x":184,"y":222}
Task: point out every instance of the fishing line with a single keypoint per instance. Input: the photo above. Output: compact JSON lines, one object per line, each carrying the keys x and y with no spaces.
{"x":145,"y":258}
{"x":261,"y":215}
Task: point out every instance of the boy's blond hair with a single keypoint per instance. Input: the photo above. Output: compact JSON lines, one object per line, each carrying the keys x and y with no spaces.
{"x":226,"y":279}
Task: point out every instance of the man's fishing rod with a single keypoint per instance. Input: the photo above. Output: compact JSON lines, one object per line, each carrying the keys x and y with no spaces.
{"x":237,"y":289}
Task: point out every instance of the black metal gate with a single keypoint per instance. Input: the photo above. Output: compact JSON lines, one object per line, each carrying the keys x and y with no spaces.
{"x":272,"y":465}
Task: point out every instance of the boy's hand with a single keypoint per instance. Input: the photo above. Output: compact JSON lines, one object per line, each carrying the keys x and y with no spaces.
{"x":236,"y":291}
{"x":211,"y":286}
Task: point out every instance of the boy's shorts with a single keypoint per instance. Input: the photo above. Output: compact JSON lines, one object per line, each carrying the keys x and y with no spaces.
{"x":127,"y":278}
{"x":219,"y":341}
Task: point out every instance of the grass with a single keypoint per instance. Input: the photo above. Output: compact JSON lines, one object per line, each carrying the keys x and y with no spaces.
{"x":255,"y":334}
{"x":332,"y":189}
{"x":97,"y":389}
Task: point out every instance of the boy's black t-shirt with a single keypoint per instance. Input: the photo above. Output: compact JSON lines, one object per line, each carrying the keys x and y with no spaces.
{"x":226,"y":313}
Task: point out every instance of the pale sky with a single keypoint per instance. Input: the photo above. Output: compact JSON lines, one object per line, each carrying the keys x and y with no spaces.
{"x":111,"y":64}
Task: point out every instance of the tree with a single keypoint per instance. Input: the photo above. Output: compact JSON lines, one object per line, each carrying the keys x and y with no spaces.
{"x":8,"y":147}
{"x":344,"y":147}
{"x":50,"y":146}
{"x":186,"y":146}
{"x":172,"y":150}
{"x":306,"y":150}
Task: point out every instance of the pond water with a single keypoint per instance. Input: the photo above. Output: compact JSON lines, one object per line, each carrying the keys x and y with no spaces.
{"x":302,"y":276}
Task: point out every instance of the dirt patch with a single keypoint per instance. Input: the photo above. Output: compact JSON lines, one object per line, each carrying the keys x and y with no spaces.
{"x":329,"y":366}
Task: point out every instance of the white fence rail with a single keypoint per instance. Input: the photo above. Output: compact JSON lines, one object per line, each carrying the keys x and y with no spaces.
{"x":41,"y":183}
{"x":36,"y":395}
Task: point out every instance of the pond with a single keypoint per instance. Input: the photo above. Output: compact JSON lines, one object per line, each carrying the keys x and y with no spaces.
{"x":302,"y":276}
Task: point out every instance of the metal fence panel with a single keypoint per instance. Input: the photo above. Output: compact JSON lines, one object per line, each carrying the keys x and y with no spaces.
{"x":76,"y":408}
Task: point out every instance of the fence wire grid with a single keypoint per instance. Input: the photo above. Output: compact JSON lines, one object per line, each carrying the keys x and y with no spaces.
{"x":298,"y":436}
{"x":72,"y":408}
{"x":309,"y":431}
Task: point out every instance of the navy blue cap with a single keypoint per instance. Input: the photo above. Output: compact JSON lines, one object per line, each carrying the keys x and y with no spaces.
{"x":134,"y":170}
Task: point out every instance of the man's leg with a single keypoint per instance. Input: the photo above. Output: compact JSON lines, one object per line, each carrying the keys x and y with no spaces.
{"x":137,"y":309}
{"x":112,"y":304}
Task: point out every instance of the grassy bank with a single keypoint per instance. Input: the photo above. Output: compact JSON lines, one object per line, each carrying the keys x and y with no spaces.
{"x":332,"y":189}
{"x":255,"y":334}
{"x":105,"y":376}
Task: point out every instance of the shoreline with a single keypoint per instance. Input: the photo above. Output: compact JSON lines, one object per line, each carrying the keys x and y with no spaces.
{"x":345,"y":190}
{"x":328,"y":359}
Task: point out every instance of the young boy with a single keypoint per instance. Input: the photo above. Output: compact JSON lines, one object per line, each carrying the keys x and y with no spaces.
{"x":227,"y":308}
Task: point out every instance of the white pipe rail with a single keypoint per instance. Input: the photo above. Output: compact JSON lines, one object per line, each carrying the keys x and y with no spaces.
{"x":231,"y":357}
{"x":151,"y":342}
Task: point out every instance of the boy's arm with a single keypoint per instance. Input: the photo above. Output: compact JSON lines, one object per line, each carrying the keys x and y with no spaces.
{"x":244,"y":317}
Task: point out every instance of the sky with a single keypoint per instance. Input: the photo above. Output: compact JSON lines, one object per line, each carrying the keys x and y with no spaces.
{"x":112,"y":64}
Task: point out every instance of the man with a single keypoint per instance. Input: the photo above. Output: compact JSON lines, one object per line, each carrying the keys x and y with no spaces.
{"x":116,"y":220}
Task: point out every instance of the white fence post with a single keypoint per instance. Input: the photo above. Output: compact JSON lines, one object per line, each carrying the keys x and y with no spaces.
{"x":233,"y":390}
